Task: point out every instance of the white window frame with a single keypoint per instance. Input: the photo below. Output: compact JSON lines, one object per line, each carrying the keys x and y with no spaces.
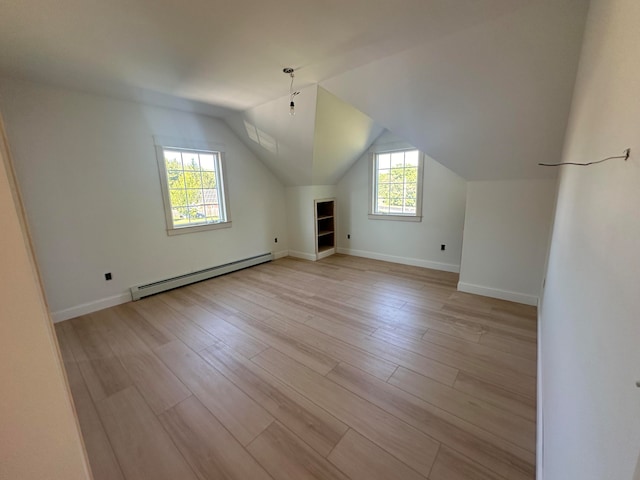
{"x":221,"y":178}
{"x":373,"y":188}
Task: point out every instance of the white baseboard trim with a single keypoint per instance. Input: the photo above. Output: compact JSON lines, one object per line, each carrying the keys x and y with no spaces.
{"x":497,"y":293}
{"x":90,"y":307}
{"x":325,"y":254}
{"x":85,"y":308}
{"x":540,"y":412}
{"x":416,"y":262}
{"x":280,"y":254}
{"x":303,"y":255}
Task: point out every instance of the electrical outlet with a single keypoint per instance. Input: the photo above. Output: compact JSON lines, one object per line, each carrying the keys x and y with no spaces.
{"x":275,"y":240}
{"x":107,"y":276}
{"x":348,"y":236}
{"x":443,"y":247}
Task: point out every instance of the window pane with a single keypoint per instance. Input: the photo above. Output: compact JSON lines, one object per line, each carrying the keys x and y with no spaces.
{"x":207,"y":162}
{"x":190,"y":161}
{"x":384,"y":175}
{"x":396,"y":183}
{"x":396,"y":190}
{"x":192,"y":211}
{"x":382,"y":208}
{"x":173,"y":160}
{"x":411,"y":175}
{"x":197,"y":214}
{"x":175,"y":178}
{"x":208,"y":180}
{"x":213,"y":213}
{"x":192,"y":179}
{"x":396,"y":201}
{"x":397,"y":175}
{"x":194,"y":187}
{"x":178,"y":197}
{"x":383,"y":190}
{"x":210,"y":196}
{"x":411,"y":158}
{"x":178,"y":213}
{"x":194,"y":196}
{"x":384,"y":161}
{"x":397,"y":159}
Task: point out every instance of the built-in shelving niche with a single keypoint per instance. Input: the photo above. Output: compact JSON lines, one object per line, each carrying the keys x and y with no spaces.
{"x":325,"y":227}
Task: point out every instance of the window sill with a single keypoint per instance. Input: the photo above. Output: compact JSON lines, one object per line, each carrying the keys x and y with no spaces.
{"x":402,"y":218}
{"x":198,"y":228}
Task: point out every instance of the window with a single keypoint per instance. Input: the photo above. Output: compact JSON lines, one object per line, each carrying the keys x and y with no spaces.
{"x":396,"y":192}
{"x":193,"y":188}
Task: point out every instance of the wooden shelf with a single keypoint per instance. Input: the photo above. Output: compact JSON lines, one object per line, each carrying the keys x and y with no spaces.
{"x":325,"y":211}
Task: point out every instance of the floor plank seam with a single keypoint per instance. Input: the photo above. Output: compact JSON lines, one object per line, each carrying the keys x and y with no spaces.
{"x":340,"y":321}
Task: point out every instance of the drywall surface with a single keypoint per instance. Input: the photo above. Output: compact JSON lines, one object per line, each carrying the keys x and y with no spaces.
{"x":591,"y":305}
{"x":341,"y":134}
{"x":301,"y":218}
{"x":282,"y":141}
{"x":39,"y":437}
{"x":506,"y":238}
{"x":412,"y":243}
{"x":316,"y":146}
{"x":88,"y":172}
{"x":489,"y":101}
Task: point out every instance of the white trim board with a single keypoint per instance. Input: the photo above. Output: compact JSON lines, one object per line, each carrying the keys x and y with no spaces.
{"x":416,"y":262}
{"x":539,"y":412}
{"x":303,"y":255}
{"x":497,"y":293}
{"x":90,"y":307}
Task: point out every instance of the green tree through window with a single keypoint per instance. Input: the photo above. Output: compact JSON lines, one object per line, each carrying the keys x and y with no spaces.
{"x":396,"y":183}
{"x":194,"y":187}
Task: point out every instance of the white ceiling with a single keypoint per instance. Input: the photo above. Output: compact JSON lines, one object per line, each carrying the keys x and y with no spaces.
{"x":226,"y":53}
{"x":489,"y":102}
{"x":482,"y":86}
{"x":314,"y":147}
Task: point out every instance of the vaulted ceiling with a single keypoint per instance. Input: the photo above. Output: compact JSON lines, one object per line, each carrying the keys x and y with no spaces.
{"x":482,"y":86}
{"x":314,"y":147}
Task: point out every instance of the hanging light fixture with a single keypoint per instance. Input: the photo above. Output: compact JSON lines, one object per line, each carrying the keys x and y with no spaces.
{"x":292,"y":106}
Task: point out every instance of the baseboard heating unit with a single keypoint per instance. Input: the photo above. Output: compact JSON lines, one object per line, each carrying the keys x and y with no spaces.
{"x":141,"y":291}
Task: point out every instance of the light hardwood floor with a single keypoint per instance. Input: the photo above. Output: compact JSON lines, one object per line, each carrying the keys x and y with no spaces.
{"x":346,"y":368}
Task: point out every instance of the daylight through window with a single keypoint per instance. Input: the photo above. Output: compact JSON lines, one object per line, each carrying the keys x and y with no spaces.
{"x":193,"y":188}
{"x":397,"y":183}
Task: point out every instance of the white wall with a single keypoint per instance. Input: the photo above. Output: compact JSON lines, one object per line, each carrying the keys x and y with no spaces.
{"x":591,"y":305}
{"x":301,"y":218}
{"x":39,"y":435}
{"x":87,"y":168}
{"x":412,"y":243}
{"x":506,"y":238}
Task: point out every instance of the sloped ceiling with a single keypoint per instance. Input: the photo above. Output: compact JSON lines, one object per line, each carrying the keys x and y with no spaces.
{"x":229,"y":54}
{"x":314,"y":147}
{"x":489,"y":102}
{"x":342,"y":133}
{"x":482,"y":86}
{"x":283,"y":142}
